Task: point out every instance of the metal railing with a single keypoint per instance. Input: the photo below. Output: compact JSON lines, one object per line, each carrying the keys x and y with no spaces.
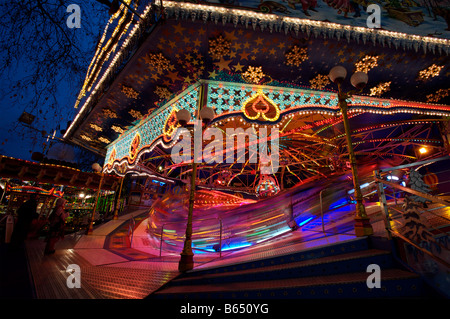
{"x":321,"y":209}
{"x":220,"y":234}
{"x":416,"y":212}
{"x":325,"y":207}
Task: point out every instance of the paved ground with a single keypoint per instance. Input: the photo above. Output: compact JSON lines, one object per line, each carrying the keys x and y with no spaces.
{"x":110,"y":270}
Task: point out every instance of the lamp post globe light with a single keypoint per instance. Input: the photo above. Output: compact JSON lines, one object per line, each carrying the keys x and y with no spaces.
{"x":338,"y":74}
{"x":183,"y":117}
{"x":96,"y":167}
{"x":206,"y":114}
{"x":186,"y":262}
{"x":359,"y":79}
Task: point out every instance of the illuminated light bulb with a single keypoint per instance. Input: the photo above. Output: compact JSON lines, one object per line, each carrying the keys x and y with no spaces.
{"x":423,"y":150}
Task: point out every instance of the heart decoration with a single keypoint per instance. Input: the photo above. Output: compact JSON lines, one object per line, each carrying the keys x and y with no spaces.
{"x":134,"y":147}
{"x":112,"y":156}
{"x":260,"y":107}
{"x":171,"y":125}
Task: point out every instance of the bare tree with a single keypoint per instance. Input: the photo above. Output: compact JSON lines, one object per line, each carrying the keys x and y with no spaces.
{"x":43,"y":62}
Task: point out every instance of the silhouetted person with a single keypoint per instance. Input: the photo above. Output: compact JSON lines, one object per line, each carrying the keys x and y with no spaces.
{"x":25,"y":215}
{"x":57,"y":221}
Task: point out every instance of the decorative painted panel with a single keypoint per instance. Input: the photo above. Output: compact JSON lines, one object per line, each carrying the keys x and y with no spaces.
{"x":152,"y":127}
{"x":255,"y":103}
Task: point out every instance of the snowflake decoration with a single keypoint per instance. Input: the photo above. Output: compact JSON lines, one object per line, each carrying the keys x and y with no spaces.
{"x":319,"y":82}
{"x":117,"y":129}
{"x":253,"y":74}
{"x":86,"y":138}
{"x":380,"y":89}
{"x":296,"y":56}
{"x":135,"y":114}
{"x":130,"y":92}
{"x":95,"y":127}
{"x":163,"y":92}
{"x":108,"y":113}
{"x":430,"y":72}
{"x":366,"y":64}
{"x":219,"y":47}
{"x":104,"y":140}
{"x":440,"y":94}
{"x":157,"y":61}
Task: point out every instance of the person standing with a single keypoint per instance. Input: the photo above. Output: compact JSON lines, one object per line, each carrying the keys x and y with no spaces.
{"x":25,"y":215}
{"x":57,"y":221}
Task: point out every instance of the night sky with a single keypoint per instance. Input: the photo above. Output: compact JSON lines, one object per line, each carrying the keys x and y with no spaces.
{"x":18,"y":141}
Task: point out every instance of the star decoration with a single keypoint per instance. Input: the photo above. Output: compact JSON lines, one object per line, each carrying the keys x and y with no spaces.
{"x":319,"y":82}
{"x":212,"y":74}
{"x":179,"y":29}
{"x":230,"y":36}
{"x":244,"y":55}
{"x":173,"y":76}
{"x":366,"y":64}
{"x":238,"y":67}
{"x":380,"y":89}
{"x":197,"y":43}
{"x":219,"y":47}
{"x":253,"y":74}
{"x":155,"y":77}
{"x":187,"y":80}
{"x":223,"y":64}
{"x":259,"y":41}
{"x":296,"y":56}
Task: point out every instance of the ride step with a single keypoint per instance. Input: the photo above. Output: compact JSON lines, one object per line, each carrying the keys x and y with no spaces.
{"x":344,"y":263}
{"x":355,"y":245}
{"x":394,"y":283}
{"x":332,"y":271}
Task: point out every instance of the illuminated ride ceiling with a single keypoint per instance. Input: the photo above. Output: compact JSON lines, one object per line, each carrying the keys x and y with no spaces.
{"x":228,"y":59}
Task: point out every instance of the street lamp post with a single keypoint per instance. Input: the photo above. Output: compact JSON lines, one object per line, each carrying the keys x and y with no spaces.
{"x":187,"y":255}
{"x":96,"y":167}
{"x":116,"y":207}
{"x":358,"y":80}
